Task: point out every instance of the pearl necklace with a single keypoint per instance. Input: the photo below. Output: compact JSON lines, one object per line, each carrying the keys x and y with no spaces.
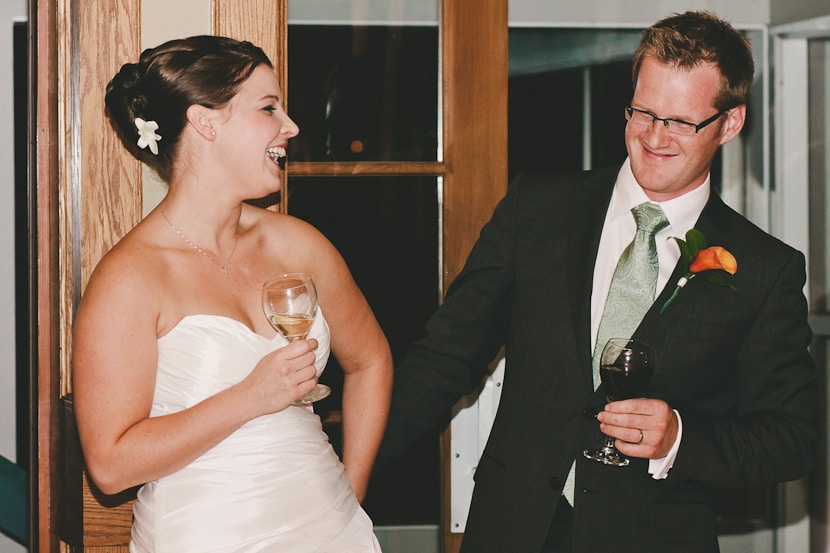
{"x":197,"y":248}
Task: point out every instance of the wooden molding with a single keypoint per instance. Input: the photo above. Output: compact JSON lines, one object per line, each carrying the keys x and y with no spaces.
{"x":368,"y":168}
{"x":475,"y":149}
{"x":43,"y":157}
{"x":101,"y":177}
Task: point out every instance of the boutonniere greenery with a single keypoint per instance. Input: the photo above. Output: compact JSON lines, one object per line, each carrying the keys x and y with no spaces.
{"x":712,"y":263}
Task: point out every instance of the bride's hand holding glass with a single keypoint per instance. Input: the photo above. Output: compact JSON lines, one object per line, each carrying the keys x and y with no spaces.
{"x":290,"y":304}
{"x":283,"y":376}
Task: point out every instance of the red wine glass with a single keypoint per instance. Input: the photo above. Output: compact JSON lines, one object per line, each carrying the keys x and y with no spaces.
{"x":625,"y":369}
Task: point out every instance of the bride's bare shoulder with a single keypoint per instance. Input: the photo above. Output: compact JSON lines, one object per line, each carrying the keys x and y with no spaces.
{"x":134,"y":265}
{"x":283,"y":227}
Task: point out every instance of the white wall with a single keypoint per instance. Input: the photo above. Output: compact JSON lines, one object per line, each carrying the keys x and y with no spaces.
{"x":641,"y":13}
{"x":787,"y":11}
{"x":534,"y":12}
{"x":10,"y":11}
{"x":161,"y":21}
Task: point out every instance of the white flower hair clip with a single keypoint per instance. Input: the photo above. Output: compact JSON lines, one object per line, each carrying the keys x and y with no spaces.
{"x":147,"y":134}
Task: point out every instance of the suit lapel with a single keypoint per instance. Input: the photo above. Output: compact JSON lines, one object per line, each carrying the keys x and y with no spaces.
{"x":714,"y":224}
{"x":587,"y":219}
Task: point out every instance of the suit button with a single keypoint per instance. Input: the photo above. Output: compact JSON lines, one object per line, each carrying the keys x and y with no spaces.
{"x":555,"y":482}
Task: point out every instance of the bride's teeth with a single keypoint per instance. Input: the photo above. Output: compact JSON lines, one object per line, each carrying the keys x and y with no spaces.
{"x":277,"y":154}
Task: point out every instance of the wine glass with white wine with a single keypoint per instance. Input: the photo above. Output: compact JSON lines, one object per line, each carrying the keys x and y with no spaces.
{"x":290,"y":304}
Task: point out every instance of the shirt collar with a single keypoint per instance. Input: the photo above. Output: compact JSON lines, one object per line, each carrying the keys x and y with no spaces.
{"x":682,"y":211}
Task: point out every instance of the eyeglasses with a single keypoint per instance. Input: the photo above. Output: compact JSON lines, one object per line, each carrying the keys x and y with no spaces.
{"x":674,"y":126}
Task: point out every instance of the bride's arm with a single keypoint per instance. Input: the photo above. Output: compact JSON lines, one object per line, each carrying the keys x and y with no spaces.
{"x":366,"y":394}
{"x":362,"y":351}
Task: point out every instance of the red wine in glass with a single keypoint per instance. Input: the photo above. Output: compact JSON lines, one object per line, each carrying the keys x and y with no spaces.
{"x":624,"y":380}
{"x":625,"y":369}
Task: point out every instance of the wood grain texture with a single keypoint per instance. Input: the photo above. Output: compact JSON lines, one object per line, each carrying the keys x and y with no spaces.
{"x":475,"y":36}
{"x":256,"y":21}
{"x":43,"y":156}
{"x":107,"y":190}
{"x":110,"y":178}
{"x":367,"y":169}
{"x":475,"y":121}
{"x":107,"y":521}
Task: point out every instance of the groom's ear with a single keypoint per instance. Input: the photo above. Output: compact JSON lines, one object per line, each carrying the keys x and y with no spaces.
{"x":735,"y":119}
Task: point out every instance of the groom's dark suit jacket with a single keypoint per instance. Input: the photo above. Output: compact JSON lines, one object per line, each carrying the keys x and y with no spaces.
{"x":735,"y":364}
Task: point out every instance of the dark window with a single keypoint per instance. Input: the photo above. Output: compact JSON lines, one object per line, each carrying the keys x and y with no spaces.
{"x":549,"y":70}
{"x":387,"y":231}
{"x":363,"y":93}
{"x":23,"y":241}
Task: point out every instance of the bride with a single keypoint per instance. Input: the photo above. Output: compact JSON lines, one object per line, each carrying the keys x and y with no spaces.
{"x":180,"y":383}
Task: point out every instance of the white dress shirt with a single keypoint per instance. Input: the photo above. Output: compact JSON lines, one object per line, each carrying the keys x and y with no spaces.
{"x":618,"y":231}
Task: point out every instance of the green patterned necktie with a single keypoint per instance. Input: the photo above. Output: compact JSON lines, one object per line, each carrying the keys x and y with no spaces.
{"x":630,"y":295}
{"x":634,"y":282}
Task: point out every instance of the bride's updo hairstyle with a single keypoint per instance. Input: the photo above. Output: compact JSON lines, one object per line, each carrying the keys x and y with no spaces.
{"x":205,"y":70}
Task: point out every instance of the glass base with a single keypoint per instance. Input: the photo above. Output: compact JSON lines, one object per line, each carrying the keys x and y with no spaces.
{"x":607,"y":456}
{"x":321,"y":391}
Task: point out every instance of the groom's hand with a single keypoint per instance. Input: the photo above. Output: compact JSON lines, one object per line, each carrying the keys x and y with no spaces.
{"x":645,"y":428}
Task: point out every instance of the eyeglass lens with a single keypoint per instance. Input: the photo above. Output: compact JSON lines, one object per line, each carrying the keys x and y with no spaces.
{"x":647,"y":119}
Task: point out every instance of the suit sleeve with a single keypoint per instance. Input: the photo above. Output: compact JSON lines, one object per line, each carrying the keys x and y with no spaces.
{"x":463,"y":337}
{"x":772,"y":434}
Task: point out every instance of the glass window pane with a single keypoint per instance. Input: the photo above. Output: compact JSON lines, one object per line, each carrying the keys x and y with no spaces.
{"x":363,"y":93}
{"x":387,"y":231}
{"x":568,"y":88}
{"x":819,"y":129}
{"x":819,"y":254}
{"x":553,"y":74}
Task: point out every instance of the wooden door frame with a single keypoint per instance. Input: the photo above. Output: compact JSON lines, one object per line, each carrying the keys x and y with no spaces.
{"x":474,"y":171}
{"x":474,"y":56}
{"x":43,"y":179}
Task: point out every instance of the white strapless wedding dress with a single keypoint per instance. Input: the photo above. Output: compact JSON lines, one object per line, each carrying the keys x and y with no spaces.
{"x":274,"y":485}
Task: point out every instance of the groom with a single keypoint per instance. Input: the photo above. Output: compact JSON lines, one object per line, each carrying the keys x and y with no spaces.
{"x":733,"y":399}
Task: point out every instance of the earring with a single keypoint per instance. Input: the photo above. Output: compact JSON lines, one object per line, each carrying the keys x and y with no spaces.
{"x":205,"y":123}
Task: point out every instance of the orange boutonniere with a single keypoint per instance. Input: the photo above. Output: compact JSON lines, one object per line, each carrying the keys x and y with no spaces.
{"x":697,"y":258}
